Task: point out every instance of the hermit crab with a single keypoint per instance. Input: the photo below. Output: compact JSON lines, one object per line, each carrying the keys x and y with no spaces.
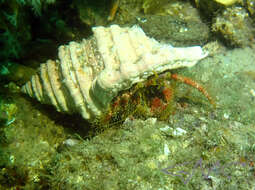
{"x":152,"y":98}
{"x":110,"y":71}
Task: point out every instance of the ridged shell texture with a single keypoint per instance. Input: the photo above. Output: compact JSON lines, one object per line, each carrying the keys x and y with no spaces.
{"x":89,"y":74}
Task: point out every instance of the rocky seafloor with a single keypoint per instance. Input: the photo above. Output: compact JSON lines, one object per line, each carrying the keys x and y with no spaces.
{"x":199,"y":147}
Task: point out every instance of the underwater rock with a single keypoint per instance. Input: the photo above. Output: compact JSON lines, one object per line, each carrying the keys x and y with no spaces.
{"x":14,"y":72}
{"x":213,"y":7}
{"x":88,"y":75}
{"x":235,"y":26}
{"x":177,"y":31}
{"x":92,"y":13}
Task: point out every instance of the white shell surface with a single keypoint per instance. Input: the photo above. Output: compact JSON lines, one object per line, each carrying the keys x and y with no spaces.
{"x":89,"y":74}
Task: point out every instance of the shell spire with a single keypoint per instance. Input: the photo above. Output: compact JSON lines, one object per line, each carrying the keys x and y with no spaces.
{"x":89,"y":74}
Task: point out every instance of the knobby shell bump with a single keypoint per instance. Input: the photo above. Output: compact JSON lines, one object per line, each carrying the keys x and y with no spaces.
{"x":89,"y":74}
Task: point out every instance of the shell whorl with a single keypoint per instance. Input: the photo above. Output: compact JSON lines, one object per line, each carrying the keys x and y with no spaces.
{"x":89,"y":74}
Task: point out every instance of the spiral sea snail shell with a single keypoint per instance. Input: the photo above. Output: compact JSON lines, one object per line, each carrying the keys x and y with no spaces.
{"x":89,"y":74}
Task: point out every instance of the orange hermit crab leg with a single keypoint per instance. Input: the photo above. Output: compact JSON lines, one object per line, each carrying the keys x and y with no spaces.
{"x":194,"y":84}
